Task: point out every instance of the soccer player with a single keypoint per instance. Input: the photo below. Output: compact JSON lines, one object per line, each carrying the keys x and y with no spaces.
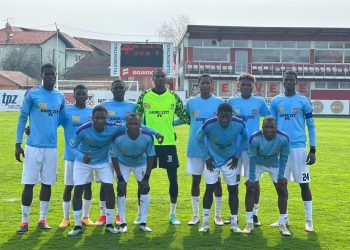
{"x":43,"y":105}
{"x":249,"y":108}
{"x":200,"y":108}
{"x":268,"y":152}
{"x":91,"y":145}
{"x":292,"y":111}
{"x":133,"y":152}
{"x":218,"y":139}
{"x":117,"y":109}
{"x":156,"y":108}
{"x":71,"y":119}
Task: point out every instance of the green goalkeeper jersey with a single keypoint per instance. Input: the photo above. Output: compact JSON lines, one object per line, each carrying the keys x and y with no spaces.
{"x":157,"y":112}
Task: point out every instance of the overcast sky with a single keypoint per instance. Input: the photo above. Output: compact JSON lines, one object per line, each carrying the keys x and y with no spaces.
{"x":131,"y":20}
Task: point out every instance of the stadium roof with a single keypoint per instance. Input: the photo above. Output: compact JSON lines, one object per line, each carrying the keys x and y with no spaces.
{"x":12,"y":35}
{"x":20,"y":79}
{"x":102,"y":47}
{"x":90,"y":66}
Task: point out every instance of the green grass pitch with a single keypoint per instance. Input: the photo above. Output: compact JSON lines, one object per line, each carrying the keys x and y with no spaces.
{"x":331,"y":201}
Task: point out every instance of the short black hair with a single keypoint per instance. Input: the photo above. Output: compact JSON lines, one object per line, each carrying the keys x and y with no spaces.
{"x":246,"y":76}
{"x":158,"y":70}
{"x":80,"y":86}
{"x":269,"y":118}
{"x":205,"y":76}
{"x":225,"y":107}
{"x":290,"y":72}
{"x":99,"y":108}
{"x":47,"y":65}
{"x":132,"y":115}
{"x":118,"y":81}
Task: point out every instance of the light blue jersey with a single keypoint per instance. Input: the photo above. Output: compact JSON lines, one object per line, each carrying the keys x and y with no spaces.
{"x":43,"y":108}
{"x":269,"y":153}
{"x":133,"y":153}
{"x":249,"y":110}
{"x":222,"y":142}
{"x":71,"y":119}
{"x":291,"y":113}
{"x":199,"y":110}
{"x":118,"y":111}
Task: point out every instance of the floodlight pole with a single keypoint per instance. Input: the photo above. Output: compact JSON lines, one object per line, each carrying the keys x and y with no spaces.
{"x":57,"y":30}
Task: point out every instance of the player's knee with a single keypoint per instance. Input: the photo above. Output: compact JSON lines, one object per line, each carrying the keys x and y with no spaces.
{"x":45,"y":186}
{"x":78,"y":190}
{"x":28,"y":187}
{"x":250,"y":191}
{"x":281,"y":191}
{"x":304,"y":186}
{"x":210,"y":188}
{"x":232,"y":188}
{"x":144,"y":188}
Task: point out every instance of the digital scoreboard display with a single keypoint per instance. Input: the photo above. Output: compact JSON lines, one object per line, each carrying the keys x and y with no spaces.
{"x":141,"y":55}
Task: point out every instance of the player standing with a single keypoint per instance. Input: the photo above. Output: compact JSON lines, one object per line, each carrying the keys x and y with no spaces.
{"x":249,"y":108}
{"x":42,"y":105}
{"x":218,"y":139}
{"x":157,"y":107}
{"x":292,"y":111}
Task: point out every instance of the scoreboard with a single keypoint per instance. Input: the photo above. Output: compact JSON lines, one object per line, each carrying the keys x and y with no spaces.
{"x":140,"y":59}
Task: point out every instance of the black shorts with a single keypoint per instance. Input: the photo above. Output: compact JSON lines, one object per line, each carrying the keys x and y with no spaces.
{"x":167,"y":157}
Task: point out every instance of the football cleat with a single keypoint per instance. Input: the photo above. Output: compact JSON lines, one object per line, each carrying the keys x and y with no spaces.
{"x":284,"y":230}
{"x":204,"y":228}
{"x":101,"y":221}
{"x":145,"y":228}
{"x":87,"y":222}
{"x":277,"y":223}
{"x":42,"y":225}
{"x":309,"y":227}
{"x":23,"y":227}
{"x":117,"y":219}
{"x":75,"y":231}
{"x":256,"y":221}
{"x":64,"y":224}
{"x":111,"y":229}
{"x":137,"y":220}
{"x":194,"y":221}
{"x":218,"y":221}
{"x":235,"y":228}
{"x":173,"y":220}
{"x":123,"y":228}
{"x":248,"y":228}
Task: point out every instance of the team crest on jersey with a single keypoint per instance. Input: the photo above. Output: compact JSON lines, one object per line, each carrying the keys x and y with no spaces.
{"x":147,"y":105}
{"x":172,"y":106}
{"x":254,"y":112}
{"x":295,"y":110}
{"x":280,"y":110}
{"x":75,"y":118}
{"x":111,"y":113}
{"x":42,"y":105}
{"x":195,"y":113}
{"x":236,"y":111}
{"x":124,"y":152}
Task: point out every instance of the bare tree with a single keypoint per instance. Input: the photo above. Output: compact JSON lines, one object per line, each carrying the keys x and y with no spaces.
{"x":173,"y":29}
{"x":23,"y":60}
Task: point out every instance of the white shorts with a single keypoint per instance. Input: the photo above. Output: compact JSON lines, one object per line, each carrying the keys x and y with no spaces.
{"x":139,"y":172}
{"x":195,"y":165}
{"x":243,"y":163}
{"x":260,"y":169}
{"x":82,"y":173}
{"x":296,"y":168}
{"x":40,"y":165}
{"x":68,"y":173}
{"x":231,"y":176}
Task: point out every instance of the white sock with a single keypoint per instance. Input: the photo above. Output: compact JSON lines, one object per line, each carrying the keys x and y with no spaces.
{"x":86,"y":208}
{"x":206,"y":216}
{"x":121,"y":201}
{"x":256,"y":209}
{"x":66,"y":209}
{"x":44,"y":207}
{"x":144,"y":205}
{"x":172,"y":208}
{"x":77,"y":217}
{"x":218,"y":202}
{"x":283,"y":219}
{"x":308,"y":210}
{"x":103,"y":208}
{"x":25,"y":213}
{"x":249,"y":217}
{"x":195,"y":206}
{"x":109,"y":216}
{"x":234,"y":218}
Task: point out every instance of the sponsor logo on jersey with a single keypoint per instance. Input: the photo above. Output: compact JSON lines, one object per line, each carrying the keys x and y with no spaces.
{"x":236,"y":111}
{"x":159,"y":113}
{"x":147,"y":105}
{"x":75,"y":118}
{"x":195,"y":113}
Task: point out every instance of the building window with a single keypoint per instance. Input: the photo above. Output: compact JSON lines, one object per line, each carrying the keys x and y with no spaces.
{"x":328,"y":56}
{"x":77,"y":58}
{"x":320,"y":85}
{"x":226,"y":43}
{"x":321,"y":45}
{"x":211,"y":55}
{"x":295,"y":56}
{"x":266,"y":56}
{"x":288,"y":44}
{"x":258,"y":44}
{"x":209,"y":43}
{"x":332,"y":85}
{"x":195,"y":42}
{"x":241,"y":44}
{"x":304,"y":44}
{"x":346,"y":56}
{"x":344,"y":85}
{"x":336,"y":45}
